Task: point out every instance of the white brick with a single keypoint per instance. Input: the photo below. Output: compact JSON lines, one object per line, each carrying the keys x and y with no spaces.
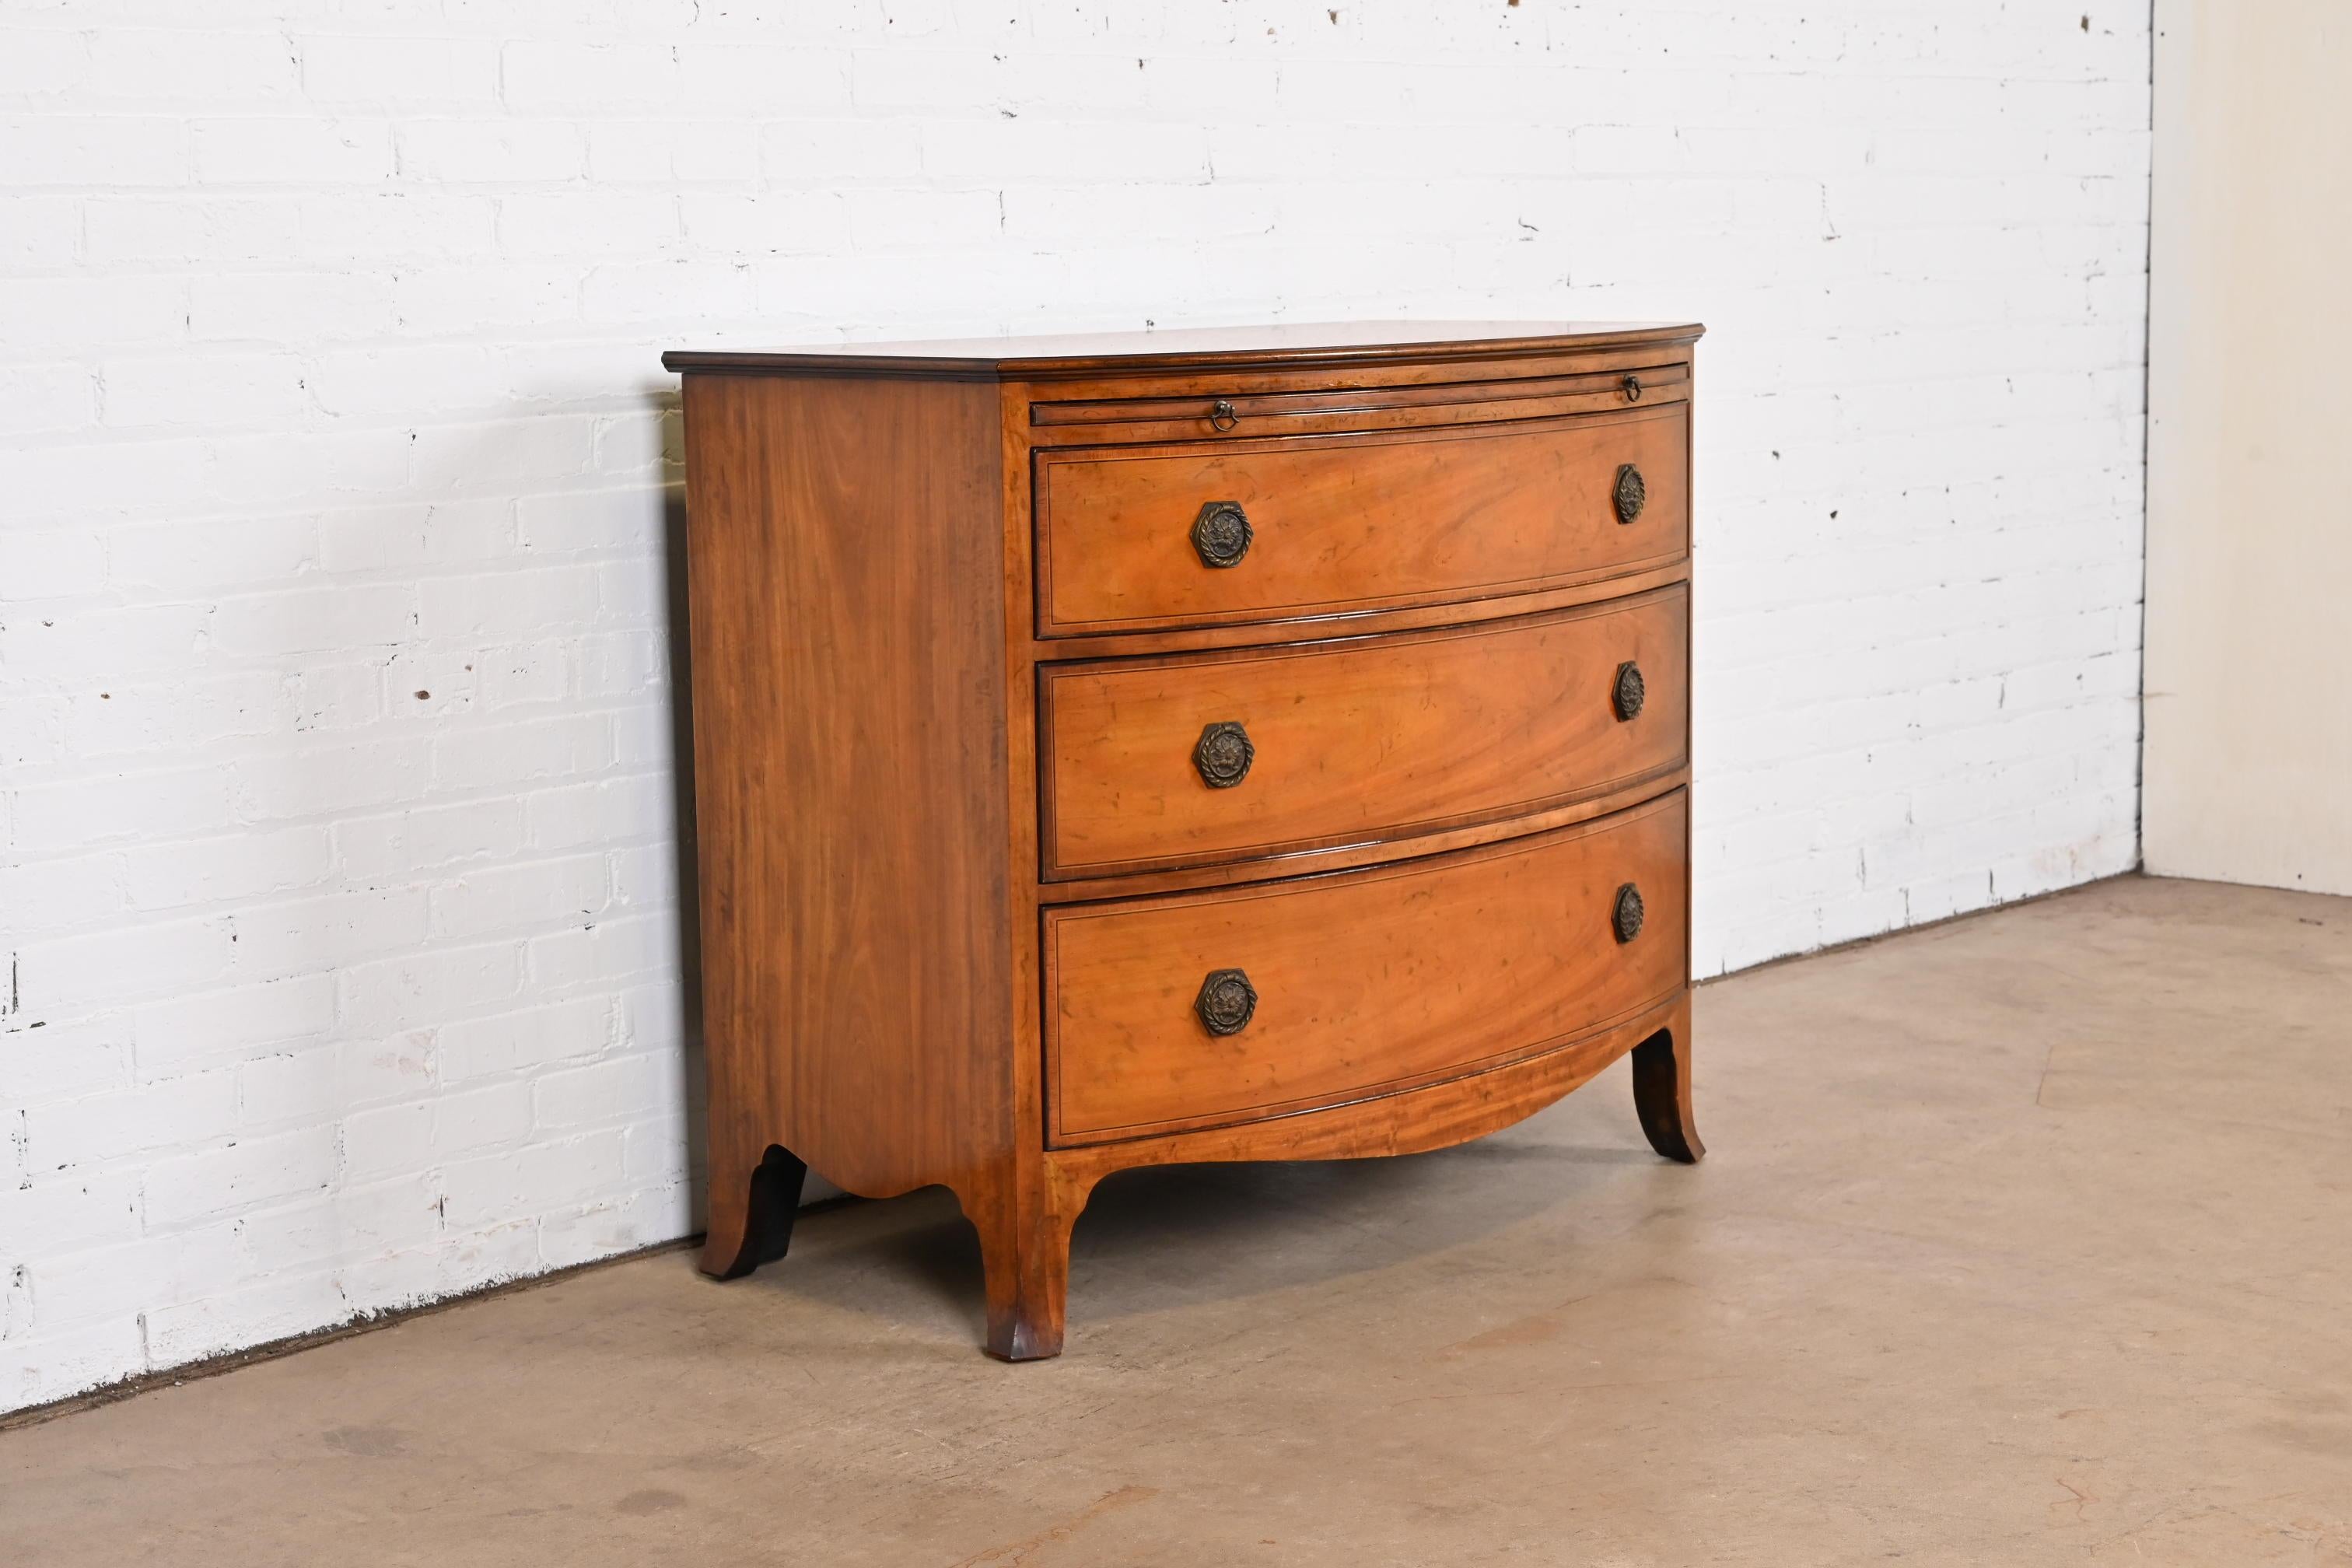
{"x":222,"y":870}
{"x":274,"y":307}
{"x":519,"y":753}
{"x":757,"y":79}
{"x":114,"y":807}
{"x":49,"y":564}
{"x":645,"y":875}
{"x":44,"y":1059}
{"x":623,"y":664}
{"x":507,"y":1041}
{"x":564,"y":74}
{"x":427,"y":838}
{"x":218,"y":552}
{"x":670,"y":152}
{"x":45,"y":63}
{"x":508,"y":604}
{"x":590,"y":1231}
{"x":331,"y":780}
{"x":587,"y":223}
{"x":605,"y":951}
{"x":319,"y":933}
{"x":502,"y":152}
{"x":455,"y":1261}
{"x":394,"y":994}
{"x":63,"y":1212}
{"x":307,"y":620}
{"x":286,"y":150}
{"x":92,"y":150}
{"x":185,"y":229}
{"x":387,"y":72}
{"x":239,"y":1175}
{"x":531,"y":1181}
{"x":176,"y":1112}
{"x":837,"y":152}
{"x":390,"y":538}
{"x":536,"y":673}
{"x":607,"y":812}
{"x":354,"y":1222}
{"x":621,"y":1089}
{"x":146,"y":66}
{"x":399,"y":1138}
{"x":275,"y":1308}
{"x":329,"y":376}
{"x":73,"y":315}
{"x":520,"y":898}
{"x":36,"y":1371}
{"x":41,"y":400}
{"x":320,"y":1083}
{"x":400,"y":225}
{"x":188,"y":1032}
{"x":40,"y":232}
{"x":780,"y":223}
{"x":329,"y":697}
{"x":126,"y":719}
{"x":104,"y":643}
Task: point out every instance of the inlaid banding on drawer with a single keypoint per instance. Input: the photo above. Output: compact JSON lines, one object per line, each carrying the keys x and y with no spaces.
{"x":1202,"y":1010}
{"x":1343,"y":524}
{"x":1184,"y":759}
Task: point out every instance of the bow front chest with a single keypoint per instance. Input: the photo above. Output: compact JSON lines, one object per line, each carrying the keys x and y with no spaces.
{"x":1179,"y":746}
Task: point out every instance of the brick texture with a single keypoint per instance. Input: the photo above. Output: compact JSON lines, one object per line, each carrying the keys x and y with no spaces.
{"x":337,"y":891}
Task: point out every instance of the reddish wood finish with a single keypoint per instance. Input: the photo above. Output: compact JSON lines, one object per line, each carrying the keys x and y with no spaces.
{"x":1366,"y":983}
{"x":850,"y":804}
{"x":1375,"y":739}
{"x":1416,"y":404}
{"x":1291,"y":349}
{"x":1345,"y":523}
{"x":879,"y":713}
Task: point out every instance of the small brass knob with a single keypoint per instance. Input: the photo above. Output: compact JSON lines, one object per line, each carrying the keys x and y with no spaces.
{"x":1226,"y":1003}
{"x":1222,"y":533}
{"x":1629,"y":494}
{"x":1223,"y":755}
{"x":1630,"y":691}
{"x":1626,"y":916}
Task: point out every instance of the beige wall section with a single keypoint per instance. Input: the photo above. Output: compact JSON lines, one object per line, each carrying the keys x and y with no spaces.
{"x":2248,"y":768}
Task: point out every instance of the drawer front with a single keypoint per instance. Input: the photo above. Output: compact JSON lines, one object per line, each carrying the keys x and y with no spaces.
{"x":1206,"y":1009}
{"x":1361,"y":741}
{"x":1246,"y":416}
{"x":1147,"y":537}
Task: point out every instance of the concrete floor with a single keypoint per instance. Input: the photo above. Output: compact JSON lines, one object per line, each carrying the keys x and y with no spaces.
{"x":2023,"y":1239}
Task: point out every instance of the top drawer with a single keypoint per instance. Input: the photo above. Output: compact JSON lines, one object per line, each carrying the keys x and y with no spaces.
{"x":1153,"y":537}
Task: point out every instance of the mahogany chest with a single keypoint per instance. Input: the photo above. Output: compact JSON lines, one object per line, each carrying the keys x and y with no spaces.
{"x":1196,"y":745}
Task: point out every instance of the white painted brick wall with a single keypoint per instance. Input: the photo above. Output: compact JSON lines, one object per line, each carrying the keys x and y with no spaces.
{"x":336,"y":892}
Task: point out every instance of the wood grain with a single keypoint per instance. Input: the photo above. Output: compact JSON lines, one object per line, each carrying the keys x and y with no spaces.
{"x":1353,"y":522}
{"x":1218,"y":412}
{"x":850,"y":804}
{"x":1367,"y":740}
{"x":1368,"y":981}
{"x":904,"y":984}
{"x":1290,"y":347}
{"x":1410,"y":1121}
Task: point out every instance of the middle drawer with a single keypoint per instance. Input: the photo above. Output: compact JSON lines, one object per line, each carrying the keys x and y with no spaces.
{"x":1191,"y":759}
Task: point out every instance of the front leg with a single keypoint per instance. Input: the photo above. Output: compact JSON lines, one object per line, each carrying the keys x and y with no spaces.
{"x":1662,"y":1091}
{"x":1024,"y":1257}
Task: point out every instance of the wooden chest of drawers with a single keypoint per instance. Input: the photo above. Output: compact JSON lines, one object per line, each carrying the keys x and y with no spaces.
{"x":1219,"y":745}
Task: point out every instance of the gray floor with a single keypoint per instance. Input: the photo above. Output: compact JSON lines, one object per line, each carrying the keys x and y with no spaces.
{"x":2023,"y":1239}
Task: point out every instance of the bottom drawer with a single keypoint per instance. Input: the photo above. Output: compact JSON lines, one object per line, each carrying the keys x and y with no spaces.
{"x":1201,"y":1009}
